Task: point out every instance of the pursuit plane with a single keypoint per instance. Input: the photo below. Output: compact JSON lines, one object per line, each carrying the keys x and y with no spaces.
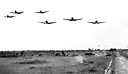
{"x":46,"y":22}
{"x":96,"y":22}
{"x":72,"y":19}
{"x":9,"y":16}
{"x":15,"y":12}
{"x":42,"y":11}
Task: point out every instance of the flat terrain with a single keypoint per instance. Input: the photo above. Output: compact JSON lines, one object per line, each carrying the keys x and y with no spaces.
{"x":54,"y":65}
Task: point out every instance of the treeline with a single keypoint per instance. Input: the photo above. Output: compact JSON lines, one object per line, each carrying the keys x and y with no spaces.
{"x":51,"y":53}
{"x":12,"y":53}
{"x":37,"y":53}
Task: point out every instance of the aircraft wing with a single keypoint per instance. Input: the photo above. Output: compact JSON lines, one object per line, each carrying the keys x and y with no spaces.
{"x":101,"y":22}
{"x":41,"y":12}
{"x":12,"y":12}
{"x":51,"y":22}
{"x":42,"y":22}
{"x":90,"y":22}
{"x":45,"y":11}
{"x":78,"y":19}
{"x":4,"y":16}
{"x":19,"y":12}
{"x":11,"y":16}
{"x":37,"y":12}
{"x":66,"y":19}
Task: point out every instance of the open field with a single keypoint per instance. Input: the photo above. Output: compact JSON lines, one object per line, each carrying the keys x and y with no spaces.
{"x":55,"y":65}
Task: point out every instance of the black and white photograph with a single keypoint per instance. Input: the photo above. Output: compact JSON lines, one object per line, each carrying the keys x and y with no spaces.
{"x":63,"y":37}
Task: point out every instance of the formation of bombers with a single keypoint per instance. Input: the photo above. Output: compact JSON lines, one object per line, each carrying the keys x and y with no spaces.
{"x":46,"y":21}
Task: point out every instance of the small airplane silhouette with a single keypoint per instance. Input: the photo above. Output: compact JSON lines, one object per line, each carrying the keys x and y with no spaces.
{"x":15,"y":12}
{"x":46,"y":22}
{"x":96,"y":22}
{"x":42,"y":11}
{"x":9,"y":16}
{"x":72,"y":19}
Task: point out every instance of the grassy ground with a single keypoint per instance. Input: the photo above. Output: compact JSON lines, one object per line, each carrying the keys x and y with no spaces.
{"x":53,"y":65}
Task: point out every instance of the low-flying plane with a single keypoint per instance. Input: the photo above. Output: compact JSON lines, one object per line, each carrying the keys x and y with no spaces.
{"x":72,"y":19}
{"x":15,"y":12}
{"x":46,"y":22}
{"x":7,"y":16}
{"x":42,"y":12}
{"x":96,"y":22}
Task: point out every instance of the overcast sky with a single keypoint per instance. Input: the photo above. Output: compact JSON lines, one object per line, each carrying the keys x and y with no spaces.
{"x":23,"y":32}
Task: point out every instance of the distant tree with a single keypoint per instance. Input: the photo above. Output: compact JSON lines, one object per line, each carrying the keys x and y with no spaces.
{"x":63,"y":53}
{"x":89,"y":53}
{"x":57,"y":54}
{"x":40,"y":55}
{"x":22,"y":53}
{"x":113,"y":49}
